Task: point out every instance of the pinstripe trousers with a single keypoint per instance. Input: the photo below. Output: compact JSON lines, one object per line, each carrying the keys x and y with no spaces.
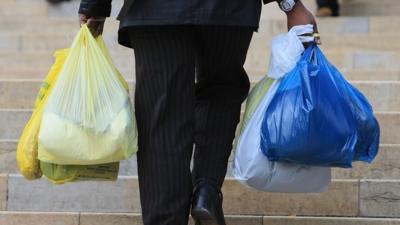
{"x":190,"y":84}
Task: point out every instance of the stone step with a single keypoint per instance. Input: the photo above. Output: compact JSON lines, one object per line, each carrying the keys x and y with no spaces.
{"x":366,"y":198}
{"x":44,"y":9}
{"x":9,"y":164}
{"x":382,"y":95}
{"x":257,"y":60}
{"x":48,"y":42}
{"x":356,"y":42}
{"x":385,"y":166}
{"x":350,"y":74}
{"x":25,"y":74}
{"x":353,"y":75}
{"x":283,"y":220}
{"x":123,"y":196}
{"x":371,"y":75}
{"x":370,"y":7}
{"x":39,"y":9}
{"x":69,"y":9}
{"x":43,"y":61}
{"x":13,"y":121}
{"x":42,"y":25}
{"x":85,"y":218}
{"x":42,"y":218}
{"x":349,"y":8}
{"x":21,"y":94}
{"x":352,"y":25}
{"x":23,"y":8}
{"x":77,"y":218}
{"x":38,"y":74}
{"x":326,"y":26}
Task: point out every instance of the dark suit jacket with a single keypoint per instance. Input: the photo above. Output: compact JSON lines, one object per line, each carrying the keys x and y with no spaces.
{"x":103,"y":7}
{"x":178,"y":12}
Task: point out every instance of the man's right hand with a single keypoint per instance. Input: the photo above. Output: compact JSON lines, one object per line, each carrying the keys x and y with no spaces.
{"x":95,"y":24}
{"x":301,"y":16}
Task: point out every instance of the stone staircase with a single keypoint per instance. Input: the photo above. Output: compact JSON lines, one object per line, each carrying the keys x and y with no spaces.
{"x":365,"y":47}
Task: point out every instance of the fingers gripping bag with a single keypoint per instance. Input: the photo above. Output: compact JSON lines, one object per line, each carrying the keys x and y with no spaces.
{"x":317,"y":118}
{"x":251,"y":167}
{"x":89,"y":118}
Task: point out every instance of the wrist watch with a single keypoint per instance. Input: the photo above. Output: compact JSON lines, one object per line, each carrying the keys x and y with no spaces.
{"x":287,"y":5}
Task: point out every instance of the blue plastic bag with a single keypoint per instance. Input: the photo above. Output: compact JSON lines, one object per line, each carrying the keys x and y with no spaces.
{"x":317,"y":118}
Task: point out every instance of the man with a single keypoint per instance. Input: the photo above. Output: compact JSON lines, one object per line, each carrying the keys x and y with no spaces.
{"x":176,"y":41}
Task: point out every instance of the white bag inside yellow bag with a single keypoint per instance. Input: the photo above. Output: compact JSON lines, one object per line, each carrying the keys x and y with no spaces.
{"x":89,"y":118}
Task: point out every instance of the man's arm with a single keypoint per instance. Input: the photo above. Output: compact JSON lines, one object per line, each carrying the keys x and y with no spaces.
{"x":299,"y":15}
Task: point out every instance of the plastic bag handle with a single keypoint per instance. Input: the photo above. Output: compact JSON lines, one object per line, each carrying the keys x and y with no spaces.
{"x":303,"y":32}
{"x":313,"y":54}
{"x":310,"y":54}
{"x":86,"y":35}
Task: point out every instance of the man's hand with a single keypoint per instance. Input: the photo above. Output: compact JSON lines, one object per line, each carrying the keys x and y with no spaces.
{"x":301,"y":16}
{"x":95,"y":24}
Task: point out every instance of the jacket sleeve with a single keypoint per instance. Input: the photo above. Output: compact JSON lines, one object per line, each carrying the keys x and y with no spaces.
{"x":268,"y":1}
{"x":95,"y":7}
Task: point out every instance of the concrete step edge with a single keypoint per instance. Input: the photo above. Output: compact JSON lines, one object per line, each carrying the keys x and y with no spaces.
{"x":30,"y":110}
{"x":228,"y":215}
{"x":130,"y":177}
{"x":253,"y":79}
{"x":343,"y":196}
{"x":20,"y":80}
{"x":381,"y":145}
{"x":127,"y":52}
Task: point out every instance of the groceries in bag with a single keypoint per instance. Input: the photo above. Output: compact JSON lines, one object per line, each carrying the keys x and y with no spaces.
{"x":89,"y":118}
{"x":250,"y":166}
{"x":317,"y":118}
{"x":60,"y":174}
{"x":27,"y":151}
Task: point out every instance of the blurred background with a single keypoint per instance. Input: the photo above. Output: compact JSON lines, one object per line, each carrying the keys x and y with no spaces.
{"x":362,"y":42}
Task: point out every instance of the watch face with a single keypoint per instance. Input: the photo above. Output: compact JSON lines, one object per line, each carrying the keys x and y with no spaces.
{"x":286,"y":6}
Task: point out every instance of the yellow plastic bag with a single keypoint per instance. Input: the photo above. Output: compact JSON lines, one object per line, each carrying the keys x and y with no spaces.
{"x":60,"y":174}
{"x":89,"y":118}
{"x":27,"y":149}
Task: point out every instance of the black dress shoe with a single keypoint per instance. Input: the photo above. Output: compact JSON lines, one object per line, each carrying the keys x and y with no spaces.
{"x":207,"y":205}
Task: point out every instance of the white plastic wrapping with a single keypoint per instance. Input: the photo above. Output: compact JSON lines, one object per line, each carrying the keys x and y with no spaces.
{"x":286,"y":50}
